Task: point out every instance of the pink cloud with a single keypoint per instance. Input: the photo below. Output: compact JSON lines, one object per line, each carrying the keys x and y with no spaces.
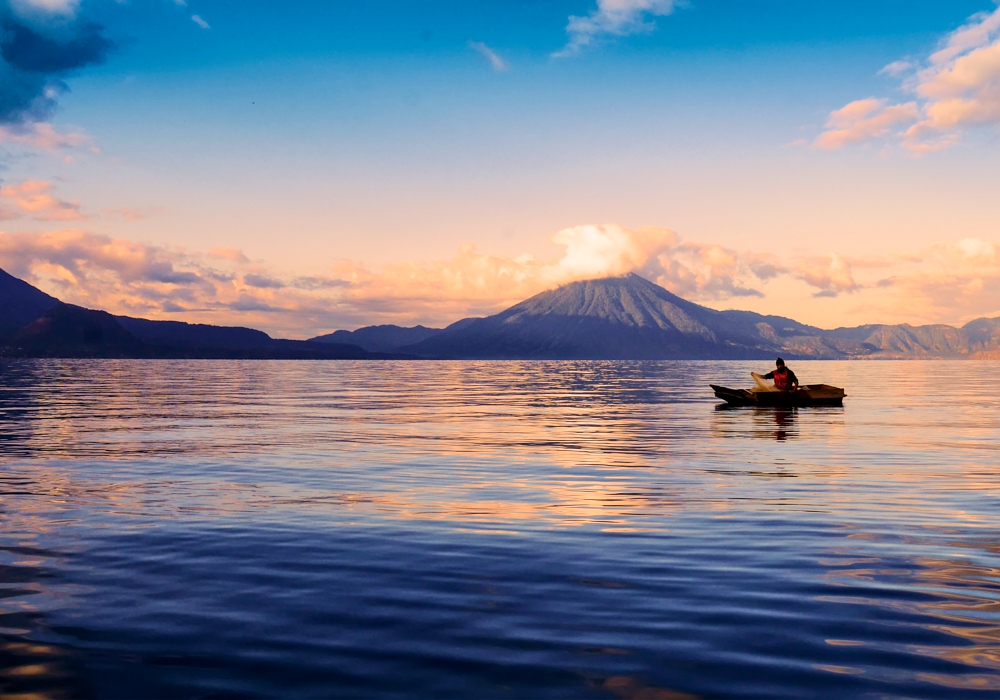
{"x":830,"y":275}
{"x":43,"y":136}
{"x":224,"y":286}
{"x":33,"y":197}
{"x":957,"y":87}
{"x":942,"y":283}
{"x":946,"y":281}
{"x":863,"y":120}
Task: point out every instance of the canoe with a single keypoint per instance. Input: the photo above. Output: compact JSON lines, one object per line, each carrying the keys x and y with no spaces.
{"x":806,"y":395}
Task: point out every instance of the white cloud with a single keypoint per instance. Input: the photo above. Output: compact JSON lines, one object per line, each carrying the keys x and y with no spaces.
{"x":490,"y":55}
{"x":614,"y":18}
{"x":957,"y":87}
{"x":200,"y":22}
{"x":896,"y":68}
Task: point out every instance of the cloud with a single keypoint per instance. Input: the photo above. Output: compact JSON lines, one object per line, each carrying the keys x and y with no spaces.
{"x":27,"y":8}
{"x":499,"y":65}
{"x":945,"y":282}
{"x":613,"y":18}
{"x":896,"y":68}
{"x":28,"y":50}
{"x":224,"y":286}
{"x":72,"y":258}
{"x":262,"y":282}
{"x":231,"y":254}
{"x":43,"y":136}
{"x":957,"y":86}
{"x":41,"y":43}
{"x":33,"y":197}
{"x":863,"y":120}
{"x":200,"y":22}
{"x":830,"y":275}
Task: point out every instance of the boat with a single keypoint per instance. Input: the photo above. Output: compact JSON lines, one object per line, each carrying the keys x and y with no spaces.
{"x":763,"y":394}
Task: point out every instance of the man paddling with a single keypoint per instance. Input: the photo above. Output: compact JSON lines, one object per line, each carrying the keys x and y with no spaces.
{"x":784,"y":378}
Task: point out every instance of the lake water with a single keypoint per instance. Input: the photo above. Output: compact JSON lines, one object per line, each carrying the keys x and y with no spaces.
{"x":496,"y":529}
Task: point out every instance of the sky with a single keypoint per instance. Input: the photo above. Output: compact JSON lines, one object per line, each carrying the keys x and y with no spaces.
{"x":302,"y":167}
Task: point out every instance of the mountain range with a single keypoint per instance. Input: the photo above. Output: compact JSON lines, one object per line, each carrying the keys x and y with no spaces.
{"x":622,"y":318}
{"x":629,"y":317}
{"x":34,"y":324}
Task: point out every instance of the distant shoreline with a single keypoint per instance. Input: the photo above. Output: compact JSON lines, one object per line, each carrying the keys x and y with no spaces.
{"x":625,"y":318}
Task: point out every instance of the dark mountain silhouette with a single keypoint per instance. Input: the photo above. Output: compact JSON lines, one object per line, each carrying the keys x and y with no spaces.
{"x":380,"y":338}
{"x":66,"y":330}
{"x":614,"y":318}
{"x":34,"y":324}
{"x":194,"y":340}
{"x":20,"y":304}
{"x":631,"y":318}
{"x":72,"y":331}
{"x":194,"y":336}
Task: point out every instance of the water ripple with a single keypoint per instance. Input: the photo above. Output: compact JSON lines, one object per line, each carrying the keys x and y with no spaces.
{"x":495,"y":529}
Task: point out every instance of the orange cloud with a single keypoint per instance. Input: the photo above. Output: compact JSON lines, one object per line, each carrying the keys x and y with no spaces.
{"x":33,"y":197}
{"x":862,"y":120}
{"x":946,"y":282}
{"x":830,"y":275}
{"x":958,"y":86}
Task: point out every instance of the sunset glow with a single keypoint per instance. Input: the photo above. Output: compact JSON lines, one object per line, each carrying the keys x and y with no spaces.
{"x":333,"y":166}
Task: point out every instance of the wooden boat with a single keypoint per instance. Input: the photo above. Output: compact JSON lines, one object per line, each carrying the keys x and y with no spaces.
{"x":806,"y":395}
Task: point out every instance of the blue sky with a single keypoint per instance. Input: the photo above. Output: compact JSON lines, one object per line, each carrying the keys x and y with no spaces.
{"x":308,"y":134}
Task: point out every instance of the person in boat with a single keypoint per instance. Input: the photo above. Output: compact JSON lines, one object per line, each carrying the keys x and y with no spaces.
{"x":784,"y":378}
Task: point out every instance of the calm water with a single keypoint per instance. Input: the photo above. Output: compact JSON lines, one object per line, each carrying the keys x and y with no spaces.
{"x":498,"y":529}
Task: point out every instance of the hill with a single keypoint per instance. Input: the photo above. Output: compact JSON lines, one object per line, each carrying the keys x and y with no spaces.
{"x":194,"y":336}
{"x":379,"y":338}
{"x":20,"y":304}
{"x":66,"y":330}
{"x":34,"y":324}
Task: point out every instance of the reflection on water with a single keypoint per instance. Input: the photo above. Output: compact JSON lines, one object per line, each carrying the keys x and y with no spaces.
{"x":495,"y":529}
{"x":777,"y":422}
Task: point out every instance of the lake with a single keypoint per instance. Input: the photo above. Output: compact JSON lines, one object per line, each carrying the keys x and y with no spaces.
{"x":203,"y":529}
